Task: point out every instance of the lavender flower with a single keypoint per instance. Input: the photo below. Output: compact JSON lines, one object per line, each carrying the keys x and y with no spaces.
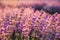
{"x":42,"y":24}
{"x":19,"y":29}
{"x":6,"y":23}
{"x":17,"y":24}
{"x":50,"y":36}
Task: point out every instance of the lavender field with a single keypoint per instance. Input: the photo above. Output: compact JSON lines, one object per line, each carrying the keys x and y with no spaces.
{"x":33,"y":22}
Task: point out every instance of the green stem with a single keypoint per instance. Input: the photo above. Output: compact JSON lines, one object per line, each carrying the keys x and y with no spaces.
{"x":20,"y":37}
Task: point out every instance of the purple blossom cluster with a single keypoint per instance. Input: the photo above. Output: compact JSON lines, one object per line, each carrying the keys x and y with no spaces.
{"x":25,"y":24}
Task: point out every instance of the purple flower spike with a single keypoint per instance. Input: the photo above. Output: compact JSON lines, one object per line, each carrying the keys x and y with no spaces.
{"x":20,"y":28}
{"x":42,"y":23}
{"x":6,"y":21}
{"x":17,"y":24}
{"x":5,"y":24}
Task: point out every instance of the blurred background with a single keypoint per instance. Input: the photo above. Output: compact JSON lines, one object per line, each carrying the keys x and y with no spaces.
{"x":30,"y":2}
